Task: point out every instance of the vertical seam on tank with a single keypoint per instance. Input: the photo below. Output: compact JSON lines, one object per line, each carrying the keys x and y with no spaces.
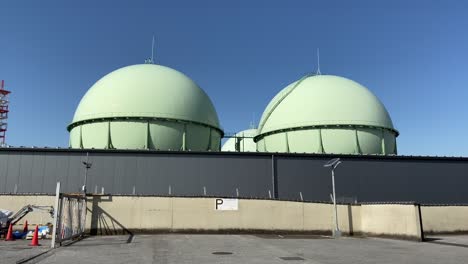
{"x":209,"y":141}
{"x":320,"y":150}
{"x":243,"y":140}
{"x":280,"y":100}
{"x":111,"y":146}
{"x":383,"y":142}
{"x":219,"y":144}
{"x":357,"y":146}
{"x":70,"y":141}
{"x":81,"y":138}
{"x":184,"y":138}
{"x":108,"y":135}
{"x":148,"y":135}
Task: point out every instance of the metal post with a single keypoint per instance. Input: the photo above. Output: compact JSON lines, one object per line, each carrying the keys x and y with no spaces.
{"x":336,"y":232}
{"x":85,"y":179}
{"x":273,"y":176}
{"x":87,"y":166}
{"x":333,"y":163}
{"x":56,"y":209}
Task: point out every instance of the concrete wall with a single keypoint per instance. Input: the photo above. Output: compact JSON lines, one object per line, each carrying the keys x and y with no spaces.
{"x":120,"y":214}
{"x":127,"y":214}
{"x":445,"y":219}
{"x":16,"y":202}
{"x":199,"y":214}
{"x":370,"y":178}
{"x":391,"y":219}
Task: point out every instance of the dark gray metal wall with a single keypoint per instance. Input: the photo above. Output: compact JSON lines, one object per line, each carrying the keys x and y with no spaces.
{"x":283,"y":176}
{"x":376,"y":179}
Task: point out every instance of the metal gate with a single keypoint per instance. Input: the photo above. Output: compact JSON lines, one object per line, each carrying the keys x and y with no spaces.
{"x":69,"y":218}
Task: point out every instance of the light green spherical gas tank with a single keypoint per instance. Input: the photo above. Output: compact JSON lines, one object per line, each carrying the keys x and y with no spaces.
{"x":241,"y":142}
{"x":326,"y":114}
{"x":145,"y":106}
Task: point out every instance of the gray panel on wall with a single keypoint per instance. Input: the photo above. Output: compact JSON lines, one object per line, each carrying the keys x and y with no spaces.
{"x":221,"y":176}
{"x":361,"y":178}
{"x":75,"y":173}
{"x":303,"y":175}
{"x":25,"y":180}
{"x":374,"y":180}
{"x":56,"y":169}
{"x":3,"y":172}
{"x":147,"y":177}
{"x":411,"y":180}
{"x":101,"y":174}
{"x":13,"y":174}
{"x":37,"y":172}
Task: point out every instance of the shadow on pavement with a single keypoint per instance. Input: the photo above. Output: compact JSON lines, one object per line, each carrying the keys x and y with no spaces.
{"x":440,"y":241}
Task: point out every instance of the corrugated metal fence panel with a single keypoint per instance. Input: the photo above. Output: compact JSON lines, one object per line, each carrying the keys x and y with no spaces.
{"x":13,"y":172}
{"x":3,"y":172}
{"x":375,"y":180}
{"x":303,"y":175}
{"x":183,"y":174}
{"x":361,"y":178}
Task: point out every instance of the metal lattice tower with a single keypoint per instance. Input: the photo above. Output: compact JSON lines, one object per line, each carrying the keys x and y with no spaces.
{"x":3,"y":112}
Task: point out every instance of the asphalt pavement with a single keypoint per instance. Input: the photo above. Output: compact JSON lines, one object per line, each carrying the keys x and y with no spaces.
{"x":180,"y":249}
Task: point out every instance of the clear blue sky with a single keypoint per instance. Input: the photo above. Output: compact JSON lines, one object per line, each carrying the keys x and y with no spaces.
{"x":412,"y":54}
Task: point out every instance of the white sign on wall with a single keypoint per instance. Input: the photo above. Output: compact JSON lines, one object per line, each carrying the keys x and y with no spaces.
{"x":223,"y":204}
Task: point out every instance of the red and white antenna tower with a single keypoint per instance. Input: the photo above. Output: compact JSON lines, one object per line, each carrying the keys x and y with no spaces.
{"x":3,"y":112}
